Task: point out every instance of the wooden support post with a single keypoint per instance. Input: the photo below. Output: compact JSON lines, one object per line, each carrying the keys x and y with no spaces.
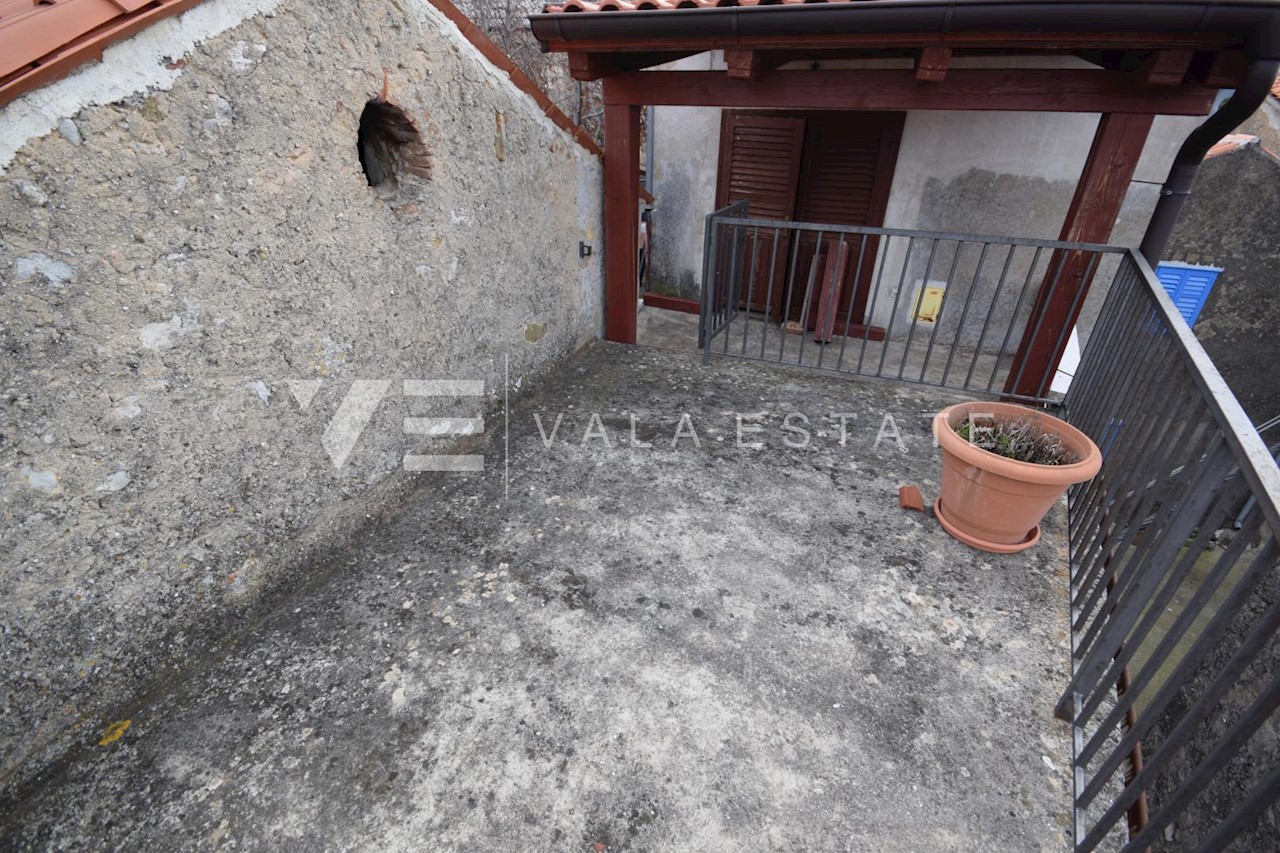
{"x":621,"y":220}
{"x":1117,"y":145}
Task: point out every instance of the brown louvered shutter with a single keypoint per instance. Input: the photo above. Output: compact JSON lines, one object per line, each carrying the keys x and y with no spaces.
{"x":818,"y":167}
{"x":841,"y":159}
{"x":760,"y":162}
{"x":848,"y":168}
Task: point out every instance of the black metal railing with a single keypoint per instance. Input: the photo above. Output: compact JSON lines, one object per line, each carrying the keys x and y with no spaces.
{"x":1174,"y":610}
{"x":925,"y":307}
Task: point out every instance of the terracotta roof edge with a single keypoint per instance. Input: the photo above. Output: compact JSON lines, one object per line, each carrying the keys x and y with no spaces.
{"x":1230,"y":144}
{"x":84,"y":39}
{"x":80,"y":40}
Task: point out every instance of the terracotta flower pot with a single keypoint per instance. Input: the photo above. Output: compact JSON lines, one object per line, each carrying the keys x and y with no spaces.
{"x":994,"y":503}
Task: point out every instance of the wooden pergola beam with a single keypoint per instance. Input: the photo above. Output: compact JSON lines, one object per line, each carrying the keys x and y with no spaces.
{"x":1024,"y":90}
{"x":1167,"y":67}
{"x":744,"y":64}
{"x":1226,"y":70}
{"x":594,"y":66}
{"x":589,"y":66}
{"x":932,"y":64}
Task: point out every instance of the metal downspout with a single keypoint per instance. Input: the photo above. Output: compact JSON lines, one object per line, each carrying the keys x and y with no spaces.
{"x":1173,"y":195}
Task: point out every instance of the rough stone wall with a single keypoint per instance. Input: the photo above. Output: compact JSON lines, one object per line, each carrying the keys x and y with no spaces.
{"x":171,"y":261}
{"x":1265,"y":124}
{"x":1232,"y":220}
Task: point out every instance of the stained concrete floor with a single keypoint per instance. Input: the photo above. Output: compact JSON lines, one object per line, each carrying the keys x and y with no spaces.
{"x":698,"y":647}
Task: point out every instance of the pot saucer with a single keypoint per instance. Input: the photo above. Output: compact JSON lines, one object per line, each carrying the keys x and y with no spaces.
{"x":981,"y":544}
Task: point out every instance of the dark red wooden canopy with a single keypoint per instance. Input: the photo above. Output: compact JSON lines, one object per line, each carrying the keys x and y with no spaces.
{"x":1151,"y":57}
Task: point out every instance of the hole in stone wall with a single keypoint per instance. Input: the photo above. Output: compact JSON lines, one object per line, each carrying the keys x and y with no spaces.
{"x":390,"y":145}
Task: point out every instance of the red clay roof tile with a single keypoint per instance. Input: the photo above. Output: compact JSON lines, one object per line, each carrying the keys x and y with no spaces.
{"x":40,"y":42}
{"x":1230,"y":143}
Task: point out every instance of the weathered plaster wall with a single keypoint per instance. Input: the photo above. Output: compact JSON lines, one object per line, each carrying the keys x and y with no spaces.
{"x":990,"y":173}
{"x":1230,"y":221}
{"x":173,"y":260}
{"x":684,"y":188}
{"x":1004,"y":173}
{"x":686,"y":144}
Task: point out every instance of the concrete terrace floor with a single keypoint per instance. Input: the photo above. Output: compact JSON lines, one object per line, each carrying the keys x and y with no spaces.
{"x":694,"y":648}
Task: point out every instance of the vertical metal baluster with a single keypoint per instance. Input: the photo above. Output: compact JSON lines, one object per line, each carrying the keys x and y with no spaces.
{"x":791,"y":284}
{"x":942,"y":306}
{"x":1124,"y":340}
{"x":875,"y":294}
{"x":1129,"y":464}
{"x":1116,"y":614}
{"x":1245,"y":724}
{"x":888,"y":335}
{"x":1160,"y":451}
{"x":995,"y":302}
{"x":964,"y":313}
{"x":1035,"y":333}
{"x":1013,"y":319}
{"x":751,"y":285}
{"x":1227,"y":497}
{"x":1082,"y":399}
{"x":808,"y":295}
{"x":1139,"y":360}
{"x":709,"y":275}
{"x":735,"y":281}
{"x":768,"y":299}
{"x":1262,"y":798}
{"x":822,"y":347}
{"x":853,"y":297}
{"x":911,"y":330}
{"x":1052,"y":369}
{"x":1184,"y":661}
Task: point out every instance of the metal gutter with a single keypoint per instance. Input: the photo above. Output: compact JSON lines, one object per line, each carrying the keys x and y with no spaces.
{"x":1255,"y":23}
{"x":1182,"y":174}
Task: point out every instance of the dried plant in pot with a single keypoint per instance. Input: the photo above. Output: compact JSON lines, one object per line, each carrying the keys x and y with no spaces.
{"x":1003,"y":467}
